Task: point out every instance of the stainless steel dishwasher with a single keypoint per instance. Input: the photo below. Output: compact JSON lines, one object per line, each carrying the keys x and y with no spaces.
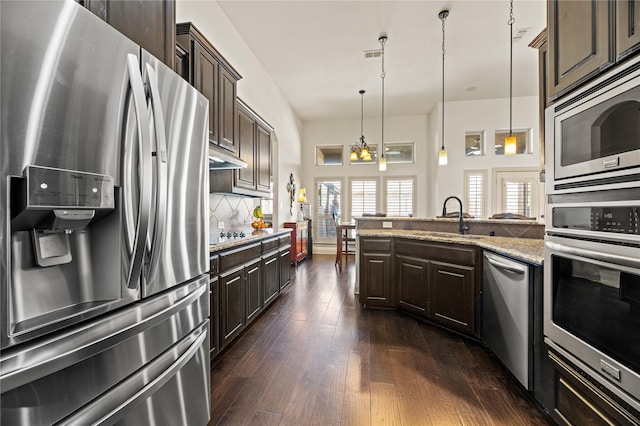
{"x":507,"y":317}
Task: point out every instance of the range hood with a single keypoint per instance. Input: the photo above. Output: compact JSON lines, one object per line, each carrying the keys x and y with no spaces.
{"x":220,"y":160}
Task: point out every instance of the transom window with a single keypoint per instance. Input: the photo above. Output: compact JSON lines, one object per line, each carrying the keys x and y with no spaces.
{"x":329,"y":155}
{"x":523,"y":141}
{"x":399,"y":152}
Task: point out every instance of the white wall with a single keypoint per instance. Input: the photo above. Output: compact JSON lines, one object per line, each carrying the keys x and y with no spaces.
{"x":412,"y":128}
{"x":257,"y":89}
{"x":488,"y":115}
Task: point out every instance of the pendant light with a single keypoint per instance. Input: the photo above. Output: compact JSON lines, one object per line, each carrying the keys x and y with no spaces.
{"x":360,"y":148}
{"x":442,"y":156}
{"x":382,"y":162}
{"x":510,"y":141}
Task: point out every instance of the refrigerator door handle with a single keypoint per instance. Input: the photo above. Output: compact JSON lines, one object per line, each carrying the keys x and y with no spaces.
{"x":144,"y":147}
{"x":155,"y":242}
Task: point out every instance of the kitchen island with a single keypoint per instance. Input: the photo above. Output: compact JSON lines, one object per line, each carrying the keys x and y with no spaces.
{"x":403,"y":263}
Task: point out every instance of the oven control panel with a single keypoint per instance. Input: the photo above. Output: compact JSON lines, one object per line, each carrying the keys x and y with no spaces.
{"x":616,"y":219}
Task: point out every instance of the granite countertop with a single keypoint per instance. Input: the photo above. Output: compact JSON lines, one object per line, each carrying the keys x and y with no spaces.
{"x":448,"y":219}
{"x":217,"y":244}
{"x":529,"y":250}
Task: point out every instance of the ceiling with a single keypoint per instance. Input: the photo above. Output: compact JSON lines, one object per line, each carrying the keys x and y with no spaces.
{"x":314,"y":51}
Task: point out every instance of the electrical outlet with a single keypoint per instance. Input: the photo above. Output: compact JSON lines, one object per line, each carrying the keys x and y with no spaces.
{"x":220,"y":225}
{"x":387,"y":225}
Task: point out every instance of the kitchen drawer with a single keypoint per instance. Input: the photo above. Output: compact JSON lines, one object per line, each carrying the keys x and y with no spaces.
{"x":232,"y":258}
{"x":270,"y":244}
{"x":375,"y":245}
{"x":446,"y":253}
{"x":285,"y":240}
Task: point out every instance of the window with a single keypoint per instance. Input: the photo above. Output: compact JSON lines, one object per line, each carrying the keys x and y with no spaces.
{"x":327,"y":202}
{"x":518,"y":192}
{"x":473,"y":144}
{"x":329,"y":155}
{"x":400,"y":199}
{"x":523,"y":141}
{"x":399,"y":152}
{"x":364,"y":196}
{"x":267,"y":207}
{"x":475,"y":194}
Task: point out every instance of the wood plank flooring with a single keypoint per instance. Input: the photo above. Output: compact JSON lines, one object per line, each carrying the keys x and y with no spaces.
{"x":316,"y":358}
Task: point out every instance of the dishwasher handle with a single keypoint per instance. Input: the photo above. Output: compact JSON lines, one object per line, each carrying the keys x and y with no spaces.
{"x":504,"y":266}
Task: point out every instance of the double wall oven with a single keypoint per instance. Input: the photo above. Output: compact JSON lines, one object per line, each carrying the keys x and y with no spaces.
{"x":592,"y":243}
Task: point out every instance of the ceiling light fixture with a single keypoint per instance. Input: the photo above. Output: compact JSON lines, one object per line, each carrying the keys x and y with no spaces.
{"x":510,"y":141}
{"x":382,"y":162}
{"x":360,"y":148}
{"x":442,"y":156}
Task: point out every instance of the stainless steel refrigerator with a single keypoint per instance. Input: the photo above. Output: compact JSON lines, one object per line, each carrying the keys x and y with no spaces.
{"x":104,"y":299}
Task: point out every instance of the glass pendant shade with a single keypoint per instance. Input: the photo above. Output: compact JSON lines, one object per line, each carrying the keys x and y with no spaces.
{"x":382,"y":164}
{"x":510,"y":145}
{"x":442,"y":157}
{"x":364,"y":153}
{"x":302,"y":195}
{"x":354,"y":155}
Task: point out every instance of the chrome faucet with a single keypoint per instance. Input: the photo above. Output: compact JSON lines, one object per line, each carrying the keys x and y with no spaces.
{"x":461,"y":227}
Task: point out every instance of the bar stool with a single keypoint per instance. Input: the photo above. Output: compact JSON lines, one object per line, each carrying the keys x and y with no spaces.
{"x":345,"y":244}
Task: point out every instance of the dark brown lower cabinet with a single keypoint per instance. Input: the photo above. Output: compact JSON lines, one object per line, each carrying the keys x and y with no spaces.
{"x":575,"y":400}
{"x":232,"y":295}
{"x":214,"y":320}
{"x":285,"y":267}
{"x":271,"y":281}
{"x":376,"y":272}
{"x":244,"y":281}
{"x":439,"y":282}
{"x":452,"y":296}
{"x":253,"y":285}
{"x":413,"y":284}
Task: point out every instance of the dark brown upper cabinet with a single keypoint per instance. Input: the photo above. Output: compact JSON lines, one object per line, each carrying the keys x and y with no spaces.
{"x":216,"y":79}
{"x":581,"y":39}
{"x":254,"y":148}
{"x":149,"y":23}
{"x":246,"y":178}
{"x":263,"y":163}
{"x":627,"y":28}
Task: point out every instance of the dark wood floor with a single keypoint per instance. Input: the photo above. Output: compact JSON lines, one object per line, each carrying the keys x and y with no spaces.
{"x":316,"y":358}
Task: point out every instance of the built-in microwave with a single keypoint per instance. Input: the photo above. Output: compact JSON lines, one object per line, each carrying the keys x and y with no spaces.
{"x":593,"y":135}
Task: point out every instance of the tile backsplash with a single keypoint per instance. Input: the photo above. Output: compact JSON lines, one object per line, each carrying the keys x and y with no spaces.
{"x":236,"y":212}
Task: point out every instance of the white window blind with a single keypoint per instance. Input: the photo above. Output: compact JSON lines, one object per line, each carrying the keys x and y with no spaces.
{"x":400,"y":196}
{"x":518,"y":192}
{"x":518,"y":197}
{"x":475,"y":192}
{"x":327,"y":201}
{"x":363,"y":196}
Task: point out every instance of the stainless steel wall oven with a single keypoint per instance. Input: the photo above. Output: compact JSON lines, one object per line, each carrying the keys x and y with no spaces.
{"x":592,"y":287}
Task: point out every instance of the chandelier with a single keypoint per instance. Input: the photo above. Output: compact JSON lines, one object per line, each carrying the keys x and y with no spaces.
{"x":360,"y":149}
